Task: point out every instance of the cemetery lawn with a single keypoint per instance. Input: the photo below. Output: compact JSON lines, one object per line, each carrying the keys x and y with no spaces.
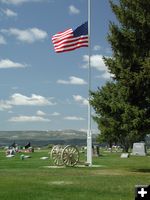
{"x":31,"y":179}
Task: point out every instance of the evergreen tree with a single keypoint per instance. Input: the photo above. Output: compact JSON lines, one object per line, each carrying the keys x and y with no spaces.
{"x":123,"y":107}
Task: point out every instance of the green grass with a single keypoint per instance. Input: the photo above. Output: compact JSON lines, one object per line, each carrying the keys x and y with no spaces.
{"x":114,"y":180}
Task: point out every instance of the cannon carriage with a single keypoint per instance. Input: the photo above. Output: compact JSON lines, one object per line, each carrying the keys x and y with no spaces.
{"x":65,"y":155}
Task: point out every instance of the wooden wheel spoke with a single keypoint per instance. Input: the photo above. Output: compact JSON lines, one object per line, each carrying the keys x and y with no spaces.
{"x":56,"y":156}
{"x":68,"y":155}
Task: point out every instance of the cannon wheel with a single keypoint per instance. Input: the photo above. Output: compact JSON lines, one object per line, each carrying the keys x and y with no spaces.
{"x":70,"y":156}
{"x":56,"y":155}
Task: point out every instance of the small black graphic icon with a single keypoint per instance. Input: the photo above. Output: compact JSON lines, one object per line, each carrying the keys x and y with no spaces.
{"x":142,"y":192}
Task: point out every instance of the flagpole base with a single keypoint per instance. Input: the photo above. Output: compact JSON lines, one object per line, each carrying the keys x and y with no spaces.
{"x":89,"y":149}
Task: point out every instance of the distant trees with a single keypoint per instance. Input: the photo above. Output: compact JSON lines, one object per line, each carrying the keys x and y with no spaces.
{"x":123,"y":106}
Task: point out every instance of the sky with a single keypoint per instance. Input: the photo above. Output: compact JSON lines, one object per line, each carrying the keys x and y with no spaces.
{"x":41,"y":89}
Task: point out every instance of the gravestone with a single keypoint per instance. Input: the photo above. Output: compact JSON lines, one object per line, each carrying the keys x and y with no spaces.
{"x":139,"y":149}
{"x":124,"y":155}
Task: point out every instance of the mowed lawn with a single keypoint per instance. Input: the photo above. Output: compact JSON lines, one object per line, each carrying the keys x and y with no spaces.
{"x":31,"y":179}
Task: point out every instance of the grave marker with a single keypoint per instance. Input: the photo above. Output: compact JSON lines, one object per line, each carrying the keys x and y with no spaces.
{"x":139,"y":149}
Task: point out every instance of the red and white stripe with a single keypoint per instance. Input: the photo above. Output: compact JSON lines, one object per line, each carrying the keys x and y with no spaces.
{"x":65,"y":41}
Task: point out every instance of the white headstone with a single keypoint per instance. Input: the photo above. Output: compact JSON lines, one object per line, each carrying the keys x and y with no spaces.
{"x":139,"y":149}
{"x":124,"y":155}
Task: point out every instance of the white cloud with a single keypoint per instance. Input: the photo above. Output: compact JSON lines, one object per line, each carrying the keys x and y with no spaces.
{"x":96,"y":48}
{"x":80,"y":99}
{"x":74,"y":118}
{"x":9,"y":13}
{"x":6,"y":63}
{"x":40,"y":113}
{"x":55,"y":114}
{"x":27,"y":35}
{"x":96,"y":62}
{"x":107,"y":75}
{"x":14,"y":2}
{"x":4,"y":105}
{"x":73,"y":81}
{"x":83,"y":130}
{"x":73,"y":10}
{"x":18,"y":2}
{"x":34,"y":100}
{"x":2,"y":40}
{"x":18,"y":99}
{"x":24,"y":118}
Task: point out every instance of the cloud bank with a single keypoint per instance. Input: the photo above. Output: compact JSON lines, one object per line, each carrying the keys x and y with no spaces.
{"x":24,"y":118}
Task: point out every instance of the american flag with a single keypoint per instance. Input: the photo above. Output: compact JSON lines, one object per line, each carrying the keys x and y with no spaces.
{"x":70,"y":40}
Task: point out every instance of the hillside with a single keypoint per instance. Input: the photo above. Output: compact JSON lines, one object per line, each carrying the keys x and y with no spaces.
{"x":41,"y":138}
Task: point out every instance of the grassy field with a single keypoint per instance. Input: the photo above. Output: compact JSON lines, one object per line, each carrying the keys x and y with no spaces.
{"x":31,"y":179}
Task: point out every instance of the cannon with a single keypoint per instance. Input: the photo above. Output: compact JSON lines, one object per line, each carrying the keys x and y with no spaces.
{"x":65,"y":155}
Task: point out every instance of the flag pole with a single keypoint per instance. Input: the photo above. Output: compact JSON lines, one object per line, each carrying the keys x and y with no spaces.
{"x":89,"y":133}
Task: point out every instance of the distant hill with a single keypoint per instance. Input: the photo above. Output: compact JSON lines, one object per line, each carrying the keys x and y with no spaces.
{"x":41,"y":138}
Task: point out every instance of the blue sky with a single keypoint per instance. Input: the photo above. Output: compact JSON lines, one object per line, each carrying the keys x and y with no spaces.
{"x":40,"y":89}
